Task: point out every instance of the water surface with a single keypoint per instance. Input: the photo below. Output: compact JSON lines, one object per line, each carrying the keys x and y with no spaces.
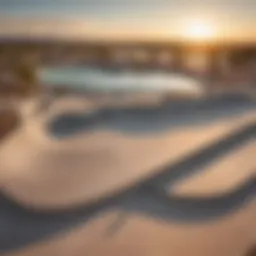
{"x":94,"y":79}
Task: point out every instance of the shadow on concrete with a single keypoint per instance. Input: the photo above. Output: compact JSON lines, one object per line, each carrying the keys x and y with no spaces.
{"x":21,"y":226}
{"x":147,"y":120}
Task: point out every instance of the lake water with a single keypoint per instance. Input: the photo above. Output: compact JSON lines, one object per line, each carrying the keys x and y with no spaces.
{"x":92,"y":79}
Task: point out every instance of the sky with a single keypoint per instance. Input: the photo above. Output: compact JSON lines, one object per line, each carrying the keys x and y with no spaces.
{"x":130,"y":19}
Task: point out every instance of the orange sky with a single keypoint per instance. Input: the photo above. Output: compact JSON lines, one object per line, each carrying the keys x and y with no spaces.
{"x":85,"y":19}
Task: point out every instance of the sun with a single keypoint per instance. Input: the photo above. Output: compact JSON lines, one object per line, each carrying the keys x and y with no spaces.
{"x":198,"y":31}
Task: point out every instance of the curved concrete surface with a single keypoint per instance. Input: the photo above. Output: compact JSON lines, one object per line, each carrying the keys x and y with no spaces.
{"x":101,"y":162}
{"x":150,"y":120}
{"x":20,"y":226}
{"x":40,"y":176}
{"x":158,"y":204}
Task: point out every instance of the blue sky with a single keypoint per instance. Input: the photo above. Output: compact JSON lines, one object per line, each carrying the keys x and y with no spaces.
{"x":161,"y":17}
{"x":107,"y":8}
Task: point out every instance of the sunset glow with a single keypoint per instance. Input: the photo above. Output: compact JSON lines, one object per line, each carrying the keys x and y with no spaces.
{"x":199,"y":31}
{"x":192,"y":21}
